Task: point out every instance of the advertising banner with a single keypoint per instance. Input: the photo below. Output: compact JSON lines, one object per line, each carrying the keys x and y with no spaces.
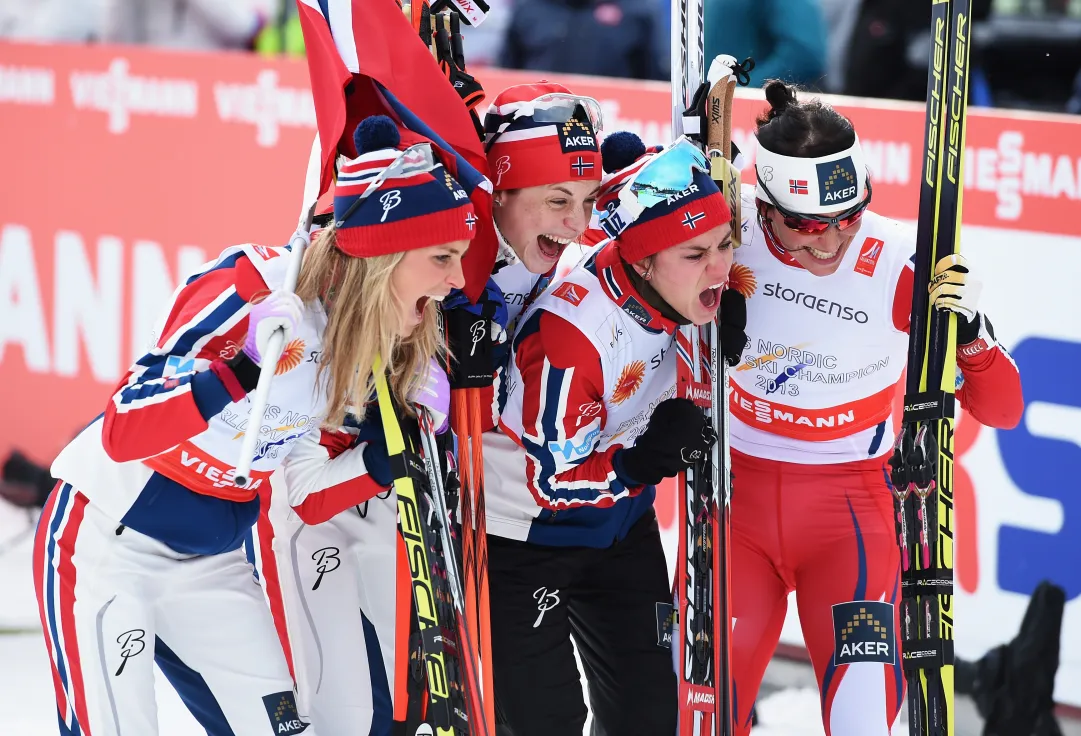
{"x":122,"y":169}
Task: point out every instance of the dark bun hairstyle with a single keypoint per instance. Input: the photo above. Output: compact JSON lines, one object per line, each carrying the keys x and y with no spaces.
{"x":802,"y":129}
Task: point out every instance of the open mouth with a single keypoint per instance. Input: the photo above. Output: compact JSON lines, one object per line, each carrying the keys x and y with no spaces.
{"x":552,"y":246}
{"x":711,"y":296}
{"x":421,"y":303}
{"x":823,"y":256}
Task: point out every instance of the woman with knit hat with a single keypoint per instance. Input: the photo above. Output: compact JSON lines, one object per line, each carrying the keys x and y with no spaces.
{"x":545,"y":164}
{"x":138,"y":555}
{"x":589,"y":427}
{"x":327,"y":548}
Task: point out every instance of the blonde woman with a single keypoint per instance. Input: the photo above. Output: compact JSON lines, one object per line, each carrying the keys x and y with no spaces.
{"x":138,"y":556}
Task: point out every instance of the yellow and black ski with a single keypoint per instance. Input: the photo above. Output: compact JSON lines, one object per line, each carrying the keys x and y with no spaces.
{"x":922,"y":461}
{"x":433,"y":601}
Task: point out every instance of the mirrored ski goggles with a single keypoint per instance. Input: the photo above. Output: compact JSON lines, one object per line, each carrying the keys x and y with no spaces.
{"x":664,"y":175}
{"x":555,"y":108}
{"x":808,"y":224}
{"x":417,"y":159}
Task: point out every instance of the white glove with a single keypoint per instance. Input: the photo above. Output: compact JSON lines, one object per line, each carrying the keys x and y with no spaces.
{"x":955,"y":287}
{"x":282,"y":309}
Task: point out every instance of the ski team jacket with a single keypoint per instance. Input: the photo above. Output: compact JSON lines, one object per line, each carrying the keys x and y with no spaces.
{"x":161,"y":458}
{"x":588,"y":364}
{"x":818,"y":379}
{"x":518,"y":288}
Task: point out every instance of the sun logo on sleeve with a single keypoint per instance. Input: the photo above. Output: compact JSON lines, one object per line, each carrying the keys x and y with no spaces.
{"x":742,"y":279}
{"x":630,"y":380}
{"x":292,"y":354}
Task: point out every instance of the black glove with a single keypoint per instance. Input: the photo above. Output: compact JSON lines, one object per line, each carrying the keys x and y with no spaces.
{"x":732,"y":319}
{"x":968,"y":331}
{"x":678,"y":435}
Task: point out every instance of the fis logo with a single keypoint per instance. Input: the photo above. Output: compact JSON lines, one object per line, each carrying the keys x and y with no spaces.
{"x":836,"y":181}
{"x":281,"y":708}
{"x":863,"y":631}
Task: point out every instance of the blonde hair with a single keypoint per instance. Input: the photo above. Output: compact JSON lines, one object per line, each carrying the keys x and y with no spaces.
{"x":363,"y":321}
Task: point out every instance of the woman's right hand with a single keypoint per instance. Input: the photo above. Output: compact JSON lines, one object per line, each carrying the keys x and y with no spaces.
{"x":281,"y":309}
{"x":677,"y":436}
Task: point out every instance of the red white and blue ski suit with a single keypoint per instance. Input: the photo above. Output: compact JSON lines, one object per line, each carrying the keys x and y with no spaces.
{"x":812,"y":427}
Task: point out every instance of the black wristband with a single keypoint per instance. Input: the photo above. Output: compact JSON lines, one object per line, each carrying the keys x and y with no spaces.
{"x":967,"y":331}
{"x":245,"y":369}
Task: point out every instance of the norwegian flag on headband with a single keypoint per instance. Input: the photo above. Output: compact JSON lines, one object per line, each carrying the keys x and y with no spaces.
{"x":364,"y":58}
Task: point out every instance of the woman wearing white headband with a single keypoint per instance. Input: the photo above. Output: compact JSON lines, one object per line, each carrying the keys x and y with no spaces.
{"x":829,"y":290}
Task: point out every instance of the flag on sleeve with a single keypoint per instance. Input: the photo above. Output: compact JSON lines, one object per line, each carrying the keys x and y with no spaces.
{"x":364,"y":58}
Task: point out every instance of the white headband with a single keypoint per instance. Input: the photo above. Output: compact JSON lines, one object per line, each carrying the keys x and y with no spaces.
{"x":812,"y":185}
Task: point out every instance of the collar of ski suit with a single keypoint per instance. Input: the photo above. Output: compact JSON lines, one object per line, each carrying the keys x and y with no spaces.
{"x":506,"y":255}
{"x":608,"y":268}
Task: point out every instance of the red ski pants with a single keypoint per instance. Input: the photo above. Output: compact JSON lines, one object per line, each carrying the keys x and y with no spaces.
{"x":827,"y":532}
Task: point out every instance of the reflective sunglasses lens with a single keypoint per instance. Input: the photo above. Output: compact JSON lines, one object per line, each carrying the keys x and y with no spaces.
{"x":807,"y":227}
{"x":669,"y":172}
{"x":850,"y":220}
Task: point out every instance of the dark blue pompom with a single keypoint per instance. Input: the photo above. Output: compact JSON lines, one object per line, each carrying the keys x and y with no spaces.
{"x":621,"y":149}
{"x":376,"y":133}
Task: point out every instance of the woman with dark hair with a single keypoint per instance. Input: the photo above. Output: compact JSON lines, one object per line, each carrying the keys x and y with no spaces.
{"x":829,"y":289}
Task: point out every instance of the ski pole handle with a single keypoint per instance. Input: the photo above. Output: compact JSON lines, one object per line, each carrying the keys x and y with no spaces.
{"x":269,"y":365}
{"x":300,"y":240}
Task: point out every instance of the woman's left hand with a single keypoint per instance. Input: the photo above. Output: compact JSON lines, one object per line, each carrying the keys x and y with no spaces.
{"x":955,"y":287}
{"x":434,"y":395}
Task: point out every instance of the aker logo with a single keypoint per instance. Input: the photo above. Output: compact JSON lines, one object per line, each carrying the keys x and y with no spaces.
{"x":666,"y":621}
{"x":863,"y":631}
{"x":836,"y":181}
{"x":576,"y":135}
{"x":282,"y":710}
{"x":634,"y":308}
{"x":569,"y":292}
{"x":869,"y":254}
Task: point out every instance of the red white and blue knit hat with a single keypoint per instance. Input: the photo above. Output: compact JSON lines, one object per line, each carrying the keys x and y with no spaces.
{"x":419,"y":204}
{"x":697,"y":209}
{"x":536,"y":134}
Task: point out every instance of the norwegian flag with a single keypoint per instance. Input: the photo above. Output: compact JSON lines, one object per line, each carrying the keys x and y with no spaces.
{"x":797,"y":186}
{"x":364,"y":58}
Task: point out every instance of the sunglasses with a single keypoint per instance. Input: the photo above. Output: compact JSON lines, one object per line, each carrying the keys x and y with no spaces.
{"x":665,"y":174}
{"x":816,"y":224}
{"x":417,"y":159}
{"x":554,"y":109}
